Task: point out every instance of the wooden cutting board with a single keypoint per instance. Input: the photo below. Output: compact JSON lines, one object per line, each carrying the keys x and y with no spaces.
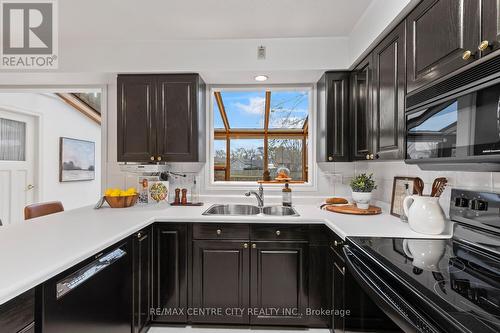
{"x":352,"y":209}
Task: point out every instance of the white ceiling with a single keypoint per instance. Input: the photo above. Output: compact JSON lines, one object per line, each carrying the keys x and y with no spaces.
{"x":217,"y":38}
{"x":207,"y":19}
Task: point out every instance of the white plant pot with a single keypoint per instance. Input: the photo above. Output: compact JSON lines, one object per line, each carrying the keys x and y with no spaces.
{"x":362,"y":199}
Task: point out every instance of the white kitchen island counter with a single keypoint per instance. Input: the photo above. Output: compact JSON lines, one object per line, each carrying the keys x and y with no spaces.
{"x":35,"y":251}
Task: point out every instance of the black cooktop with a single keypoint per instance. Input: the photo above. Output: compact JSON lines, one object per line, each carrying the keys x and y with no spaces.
{"x":450,"y":276}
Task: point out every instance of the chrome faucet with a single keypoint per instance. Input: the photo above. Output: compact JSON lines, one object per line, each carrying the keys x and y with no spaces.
{"x":259,"y":195}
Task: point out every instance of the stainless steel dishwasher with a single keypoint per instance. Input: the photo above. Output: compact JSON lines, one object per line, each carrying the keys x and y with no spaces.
{"x":92,"y":297}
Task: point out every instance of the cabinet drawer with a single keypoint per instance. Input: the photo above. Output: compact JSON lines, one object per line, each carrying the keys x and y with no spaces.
{"x":221,"y":231}
{"x":319,"y":234}
{"x":280,"y":232}
{"x":18,"y":313}
{"x":336,"y":245}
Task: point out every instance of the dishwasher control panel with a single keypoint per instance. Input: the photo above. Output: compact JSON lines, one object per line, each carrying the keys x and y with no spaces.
{"x":75,"y":279}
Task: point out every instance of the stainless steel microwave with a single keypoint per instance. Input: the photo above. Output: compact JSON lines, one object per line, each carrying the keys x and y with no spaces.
{"x":457,"y":130}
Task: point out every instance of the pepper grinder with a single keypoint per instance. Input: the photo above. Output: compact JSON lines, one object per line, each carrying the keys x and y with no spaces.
{"x":184,"y":199}
{"x":177,"y":199}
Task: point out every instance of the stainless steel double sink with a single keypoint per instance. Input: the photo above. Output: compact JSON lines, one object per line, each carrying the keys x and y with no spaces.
{"x":246,"y":210}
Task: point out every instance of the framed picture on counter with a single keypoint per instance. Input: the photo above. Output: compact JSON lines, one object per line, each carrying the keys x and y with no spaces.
{"x":399,"y":194}
{"x":76,"y":160}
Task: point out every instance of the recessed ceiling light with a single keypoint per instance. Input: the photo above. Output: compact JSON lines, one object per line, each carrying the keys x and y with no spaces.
{"x":261,"y":78}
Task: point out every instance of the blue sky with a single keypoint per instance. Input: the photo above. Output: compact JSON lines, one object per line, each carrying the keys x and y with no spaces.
{"x":439,"y":121}
{"x":245,"y":109}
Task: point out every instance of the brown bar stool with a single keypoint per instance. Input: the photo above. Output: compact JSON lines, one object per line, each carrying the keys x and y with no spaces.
{"x":41,"y":209}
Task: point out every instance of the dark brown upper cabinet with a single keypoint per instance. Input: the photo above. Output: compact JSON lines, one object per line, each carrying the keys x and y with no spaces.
{"x":170,"y":272}
{"x":361,"y":110}
{"x":333,"y":117}
{"x":441,"y":33}
{"x":158,"y":117}
{"x":136,"y":118}
{"x":389,"y":96}
{"x":490,"y":27}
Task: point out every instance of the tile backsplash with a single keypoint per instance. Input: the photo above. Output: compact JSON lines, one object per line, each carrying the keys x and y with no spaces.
{"x":384,"y":173}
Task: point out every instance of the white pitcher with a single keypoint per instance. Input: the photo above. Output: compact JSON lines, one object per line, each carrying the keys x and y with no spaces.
{"x":425,"y":214}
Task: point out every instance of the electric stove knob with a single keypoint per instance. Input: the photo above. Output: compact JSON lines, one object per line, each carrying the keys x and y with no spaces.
{"x":462,"y":202}
{"x":479,"y":205}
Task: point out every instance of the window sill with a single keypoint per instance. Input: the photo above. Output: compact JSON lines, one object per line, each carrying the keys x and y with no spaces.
{"x":272,"y":186}
{"x":281,"y":182}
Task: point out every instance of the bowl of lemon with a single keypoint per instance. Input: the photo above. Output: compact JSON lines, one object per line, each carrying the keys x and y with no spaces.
{"x":117,"y":198}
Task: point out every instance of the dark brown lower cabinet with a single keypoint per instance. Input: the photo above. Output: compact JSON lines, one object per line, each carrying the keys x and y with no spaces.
{"x":170,"y":273}
{"x":279,"y":284}
{"x":221,"y":272}
{"x":338,"y":294}
{"x":142,"y":249}
{"x":319,"y":276}
{"x":18,"y":314}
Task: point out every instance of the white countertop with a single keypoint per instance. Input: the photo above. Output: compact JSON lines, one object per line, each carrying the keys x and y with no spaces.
{"x":35,"y":251}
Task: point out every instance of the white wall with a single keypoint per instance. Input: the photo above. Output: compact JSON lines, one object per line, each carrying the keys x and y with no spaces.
{"x":384,"y":173}
{"x":57,"y":119}
{"x":205,"y":55}
{"x":381,"y":16}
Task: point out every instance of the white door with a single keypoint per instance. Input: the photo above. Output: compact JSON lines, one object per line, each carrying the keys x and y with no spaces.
{"x":17,"y":165}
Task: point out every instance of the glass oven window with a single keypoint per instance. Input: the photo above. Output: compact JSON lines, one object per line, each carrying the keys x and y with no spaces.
{"x":432,"y":133}
{"x":465,"y":126}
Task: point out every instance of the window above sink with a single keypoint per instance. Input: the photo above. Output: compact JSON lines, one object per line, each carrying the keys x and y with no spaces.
{"x":257,"y":129}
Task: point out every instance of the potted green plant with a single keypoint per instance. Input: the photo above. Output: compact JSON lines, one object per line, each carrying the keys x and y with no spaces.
{"x":362,"y":186}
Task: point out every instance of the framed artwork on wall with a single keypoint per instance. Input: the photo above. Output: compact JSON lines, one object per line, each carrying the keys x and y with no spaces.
{"x":399,"y":194}
{"x":76,"y":160}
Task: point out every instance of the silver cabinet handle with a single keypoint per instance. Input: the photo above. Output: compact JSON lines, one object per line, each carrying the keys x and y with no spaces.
{"x":278,"y":232}
{"x":245,"y":245}
{"x":219,"y":231}
{"x":254,"y":246}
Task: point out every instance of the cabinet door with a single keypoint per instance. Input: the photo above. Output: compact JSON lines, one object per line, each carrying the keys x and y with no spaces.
{"x":170,"y":273}
{"x":177,"y":118}
{"x":279,"y":281}
{"x":221,"y":271}
{"x":389,"y":96}
{"x":361,"y":110}
{"x":142,"y":279}
{"x":490,"y":25}
{"x":319,"y":284}
{"x":439,"y":32}
{"x":136,"y":118}
{"x":18,"y":313}
{"x":337,"y":116}
{"x":338,"y":296}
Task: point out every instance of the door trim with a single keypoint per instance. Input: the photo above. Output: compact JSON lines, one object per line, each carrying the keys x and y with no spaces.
{"x":38,"y":172}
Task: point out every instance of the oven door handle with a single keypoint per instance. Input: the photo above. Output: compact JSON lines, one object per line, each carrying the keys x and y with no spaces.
{"x":404,"y":315}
